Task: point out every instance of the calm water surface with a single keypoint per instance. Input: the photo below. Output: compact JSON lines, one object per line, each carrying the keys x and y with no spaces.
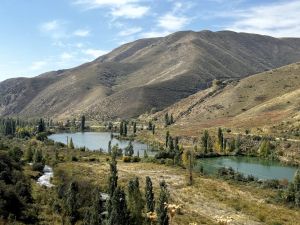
{"x":97,"y":140}
{"x":261,"y":168}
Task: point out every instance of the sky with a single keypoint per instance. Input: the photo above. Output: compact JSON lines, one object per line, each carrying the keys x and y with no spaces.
{"x":38,"y":36}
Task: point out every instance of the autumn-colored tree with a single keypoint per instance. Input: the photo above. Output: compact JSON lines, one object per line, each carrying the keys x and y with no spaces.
{"x":71,"y":145}
{"x":217,"y":146}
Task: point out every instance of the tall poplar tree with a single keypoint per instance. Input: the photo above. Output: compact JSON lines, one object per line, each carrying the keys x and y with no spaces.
{"x":149,"y":195}
{"x":162,"y":213}
{"x":134,"y":127}
{"x":82,"y":122}
{"x":121,"y":129}
{"x":71,"y":204}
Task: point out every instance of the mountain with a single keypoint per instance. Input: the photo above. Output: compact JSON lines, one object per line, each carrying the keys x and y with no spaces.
{"x":146,"y":73}
{"x":260,"y":101}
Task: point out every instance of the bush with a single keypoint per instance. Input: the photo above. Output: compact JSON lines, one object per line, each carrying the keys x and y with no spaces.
{"x":15,"y":153}
{"x":135,"y":159}
{"x":60,"y":144}
{"x":92,"y":159}
{"x":37,"y":167}
{"x":74,"y":159}
{"x":41,"y":136}
{"x":126,"y":159}
{"x":160,"y":161}
{"x":151,"y":160}
{"x":169,"y":162}
{"x":49,"y":142}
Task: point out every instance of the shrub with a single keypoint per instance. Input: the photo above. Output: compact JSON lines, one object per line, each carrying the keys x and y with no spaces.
{"x":107,"y":159}
{"x":151,"y":160}
{"x":126,"y":159}
{"x":160,"y":161}
{"x":37,"y":167}
{"x":169,"y":162}
{"x":228,"y":130}
{"x":41,"y":136}
{"x":48,"y":142}
{"x":288,"y":145}
{"x":60,"y":144}
{"x":74,"y":159}
{"x":135,"y":159}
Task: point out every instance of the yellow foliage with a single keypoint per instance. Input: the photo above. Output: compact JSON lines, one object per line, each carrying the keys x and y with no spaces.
{"x":217,"y":146}
{"x":186,"y":158}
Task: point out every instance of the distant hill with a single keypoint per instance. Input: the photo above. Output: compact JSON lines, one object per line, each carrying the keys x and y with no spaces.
{"x":259,"y":101}
{"x":146,"y":73}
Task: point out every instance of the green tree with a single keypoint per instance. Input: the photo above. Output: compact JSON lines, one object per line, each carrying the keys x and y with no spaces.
{"x":134,"y":127}
{"x":38,"y":156}
{"x":161,"y":211}
{"x":204,"y":140}
{"x":135,"y":201}
{"x":110,"y":125}
{"x":170,"y":143}
{"x":220,"y":136}
{"x":71,"y":204}
{"x":113,"y":178}
{"x":71,"y":145}
{"x":41,"y":126}
{"x":167,"y":138}
{"x":153,"y":130}
{"x":97,"y":208}
{"x":15,"y":153}
{"x":171,"y":119}
{"x":149,"y":125}
{"x":238,"y":144}
{"x":125,"y":129}
{"x":149,"y":195}
{"x":121,"y":129}
{"x":109,"y":148}
{"x":176,"y":144}
{"x":166,"y":118}
{"x":118,"y":213}
{"x":264,"y":149}
{"x":129,"y":149}
{"x":83,"y":123}
{"x":29,"y":153}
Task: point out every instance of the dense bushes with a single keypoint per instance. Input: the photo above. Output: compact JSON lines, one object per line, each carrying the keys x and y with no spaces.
{"x":15,"y":189}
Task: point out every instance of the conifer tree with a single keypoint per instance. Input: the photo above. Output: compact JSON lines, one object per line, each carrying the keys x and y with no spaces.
{"x":97,"y":208}
{"x":134,"y":127}
{"x":71,"y":204}
{"x":166,"y":118}
{"x":82,"y":123}
{"x":220,"y":137}
{"x":38,"y":156}
{"x":176,"y":145}
{"x":109,"y":148}
{"x":118,"y":213}
{"x":171,"y":119}
{"x":153,"y":130}
{"x":149,"y":195}
{"x":170,"y":143}
{"x":149,"y":125}
{"x":29,"y":153}
{"x":162,"y":213}
{"x":125,"y":129}
{"x":238,"y":144}
{"x":113,"y":178}
{"x":204,"y":141}
{"x":135,"y":201}
{"x":71,"y":145}
{"x":167,"y":138}
{"x":121,"y":129}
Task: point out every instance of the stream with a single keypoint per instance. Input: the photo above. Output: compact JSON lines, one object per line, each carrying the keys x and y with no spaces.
{"x":45,"y":179}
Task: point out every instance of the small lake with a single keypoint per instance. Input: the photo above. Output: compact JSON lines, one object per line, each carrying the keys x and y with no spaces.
{"x":261,"y":168}
{"x":97,"y":140}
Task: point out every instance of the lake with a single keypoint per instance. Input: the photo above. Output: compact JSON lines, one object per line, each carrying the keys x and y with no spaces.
{"x":97,"y":140}
{"x":261,"y":168}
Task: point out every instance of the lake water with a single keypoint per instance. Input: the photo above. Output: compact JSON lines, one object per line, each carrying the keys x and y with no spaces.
{"x":261,"y":168}
{"x":97,"y":140}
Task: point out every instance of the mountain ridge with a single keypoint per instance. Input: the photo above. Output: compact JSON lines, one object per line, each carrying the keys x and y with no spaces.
{"x":161,"y":71}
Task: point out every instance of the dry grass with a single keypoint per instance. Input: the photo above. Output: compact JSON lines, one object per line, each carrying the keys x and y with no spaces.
{"x":204,"y":202}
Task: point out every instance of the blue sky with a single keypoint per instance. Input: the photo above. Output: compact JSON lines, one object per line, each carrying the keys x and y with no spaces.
{"x":38,"y":36}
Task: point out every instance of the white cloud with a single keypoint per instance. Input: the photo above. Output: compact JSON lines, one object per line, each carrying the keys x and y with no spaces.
{"x":278,"y":20}
{"x":130,"y":31}
{"x":172,"y":22}
{"x":130,"y":11}
{"x":152,"y":34}
{"x":66,"y":56}
{"x":91,"y":4}
{"x":81,"y":33}
{"x":38,"y":65}
{"x":55,"y":29}
{"x":79,"y":45}
{"x":95,"y":53}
